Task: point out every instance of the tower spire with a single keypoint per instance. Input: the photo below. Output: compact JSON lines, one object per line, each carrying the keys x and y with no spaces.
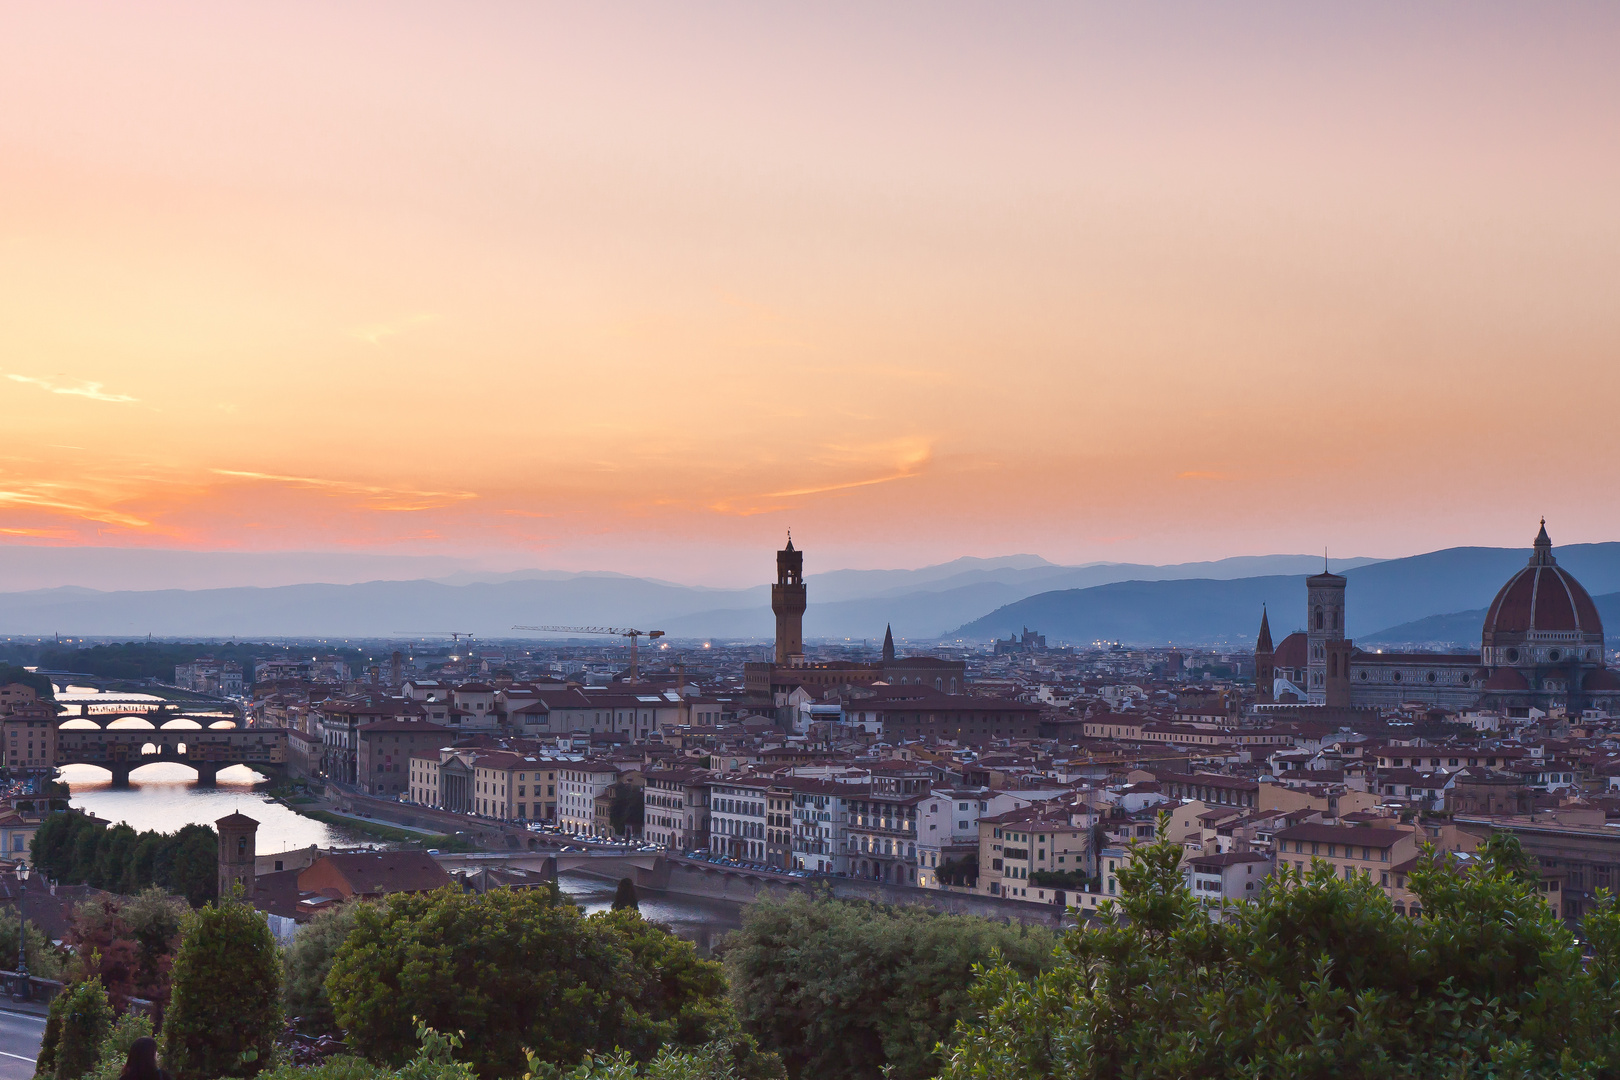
{"x":1543,"y":554}
{"x":888,"y":642}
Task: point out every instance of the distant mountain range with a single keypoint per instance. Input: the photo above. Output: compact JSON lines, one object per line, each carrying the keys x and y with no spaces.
{"x":1433,"y":598}
{"x":920,"y":604}
{"x":1463,"y":628}
{"x":1396,"y":601}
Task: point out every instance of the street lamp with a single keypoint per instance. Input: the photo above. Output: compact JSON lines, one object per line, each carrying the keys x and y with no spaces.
{"x":23,"y":985}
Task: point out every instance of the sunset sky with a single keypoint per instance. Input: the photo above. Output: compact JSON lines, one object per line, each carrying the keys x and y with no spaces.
{"x":637,"y":287}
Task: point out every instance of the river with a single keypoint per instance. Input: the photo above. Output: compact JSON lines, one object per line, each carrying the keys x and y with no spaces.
{"x":163,"y":796}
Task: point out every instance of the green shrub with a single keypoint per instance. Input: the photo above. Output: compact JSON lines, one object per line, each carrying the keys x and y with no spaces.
{"x":308,"y":962}
{"x":1316,"y":977}
{"x":225,"y":997}
{"x":519,"y":968}
{"x":846,"y":990}
{"x":87,"y":1020}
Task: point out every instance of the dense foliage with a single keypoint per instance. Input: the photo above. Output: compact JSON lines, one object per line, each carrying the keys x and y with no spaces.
{"x":1317,"y":978}
{"x":86,"y":1019}
{"x":225,"y":1005}
{"x":854,"y":990}
{"x":75,"y":849}
{"x":44,"y":959}
{"x":308,"y":960}
{"x":136,"y":660}
{"x":129,"y":943}
{"x":521,"y":969}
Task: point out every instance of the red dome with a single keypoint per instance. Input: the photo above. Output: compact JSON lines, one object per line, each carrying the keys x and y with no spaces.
{"x":1542,"y":598}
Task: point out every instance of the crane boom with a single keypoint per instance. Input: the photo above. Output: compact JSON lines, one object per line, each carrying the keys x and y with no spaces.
{"x":608,"y":631}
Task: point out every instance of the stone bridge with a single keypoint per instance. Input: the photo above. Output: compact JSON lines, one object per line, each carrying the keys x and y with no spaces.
{"x":645,"y":868}
{"x":156,"y":713}
{"x":124,"y":750}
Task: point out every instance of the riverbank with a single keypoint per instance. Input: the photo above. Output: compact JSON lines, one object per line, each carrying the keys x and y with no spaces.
{"x":301,"y":801}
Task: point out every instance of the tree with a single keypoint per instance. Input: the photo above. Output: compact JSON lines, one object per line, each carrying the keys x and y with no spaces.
{"x":87,"y":1020}
{"x":133,"y":941}
{"x":45,"y":1063}
{"x":225,"y":1001}
{"x":625,"y":896}
{"x":846,"y":989}
{"x":73,"y":848}
{"x":522,"y":968}
{"x":309,"y":961}
{"x":1318,"y":977}
{"x":627,"y":810}
{"x":44,"y":959}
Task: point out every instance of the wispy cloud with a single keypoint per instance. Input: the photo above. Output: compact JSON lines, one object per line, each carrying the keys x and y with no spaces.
{"x":376,"y":497}
{"x":905,"y":458}
{"x":22,"y":497}
{"x":84,"y":389}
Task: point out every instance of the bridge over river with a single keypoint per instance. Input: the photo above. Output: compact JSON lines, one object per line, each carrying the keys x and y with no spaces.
{"x":122,"y":750}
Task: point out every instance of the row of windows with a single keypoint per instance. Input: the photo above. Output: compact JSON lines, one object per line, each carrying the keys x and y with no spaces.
{"x":1332,"y":850}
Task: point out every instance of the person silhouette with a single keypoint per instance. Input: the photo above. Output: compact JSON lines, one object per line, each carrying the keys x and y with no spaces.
{"x":142,"y":1063}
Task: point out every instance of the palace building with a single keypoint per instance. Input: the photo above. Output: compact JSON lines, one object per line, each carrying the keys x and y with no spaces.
{"x":790,"y":669}
{"x":1541,"y":647}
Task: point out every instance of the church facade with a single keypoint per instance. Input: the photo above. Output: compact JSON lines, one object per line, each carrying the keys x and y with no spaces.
{"x":1541,"y":647}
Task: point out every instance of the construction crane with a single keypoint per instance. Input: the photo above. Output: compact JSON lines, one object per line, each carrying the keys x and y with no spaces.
{"x":613,"y":631}
{"x":453,"y":635}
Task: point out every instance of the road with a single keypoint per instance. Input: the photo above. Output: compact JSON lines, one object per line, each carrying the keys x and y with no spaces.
{"x":19,"y":1044}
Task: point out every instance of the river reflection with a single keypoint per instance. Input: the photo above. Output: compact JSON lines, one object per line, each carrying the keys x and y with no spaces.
{"x":703,"y":922}
{"x":165,"y":796}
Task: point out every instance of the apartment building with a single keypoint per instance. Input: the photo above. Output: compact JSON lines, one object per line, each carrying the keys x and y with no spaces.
{"x":676,"y":808}
{"x":28,"y":730}
{"x":1221,"y":880}
{"x":1019,"y":843}
{"x":383,"y":751}
{"x":737,"y":816}
{"x":948,"y":830}
{"x":820,"y":822}
{"x":579,"y":783}
{"x":1369,"y":851}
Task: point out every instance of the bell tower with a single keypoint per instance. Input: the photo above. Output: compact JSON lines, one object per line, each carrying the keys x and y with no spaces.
{"x":788,"y":600}
{"x":1328,"y":650}
{"x":1265,"y":668}
{"x":237,"y":833}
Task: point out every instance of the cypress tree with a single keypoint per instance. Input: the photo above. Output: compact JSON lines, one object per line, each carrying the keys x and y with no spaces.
{"x":87,"y":1020}
{"x":225,"y":997}
{"x":625,"y":896}
{"x":45,"y":1065}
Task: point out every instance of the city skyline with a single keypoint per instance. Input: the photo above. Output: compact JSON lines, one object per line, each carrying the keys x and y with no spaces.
{"x":581,"y":291}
